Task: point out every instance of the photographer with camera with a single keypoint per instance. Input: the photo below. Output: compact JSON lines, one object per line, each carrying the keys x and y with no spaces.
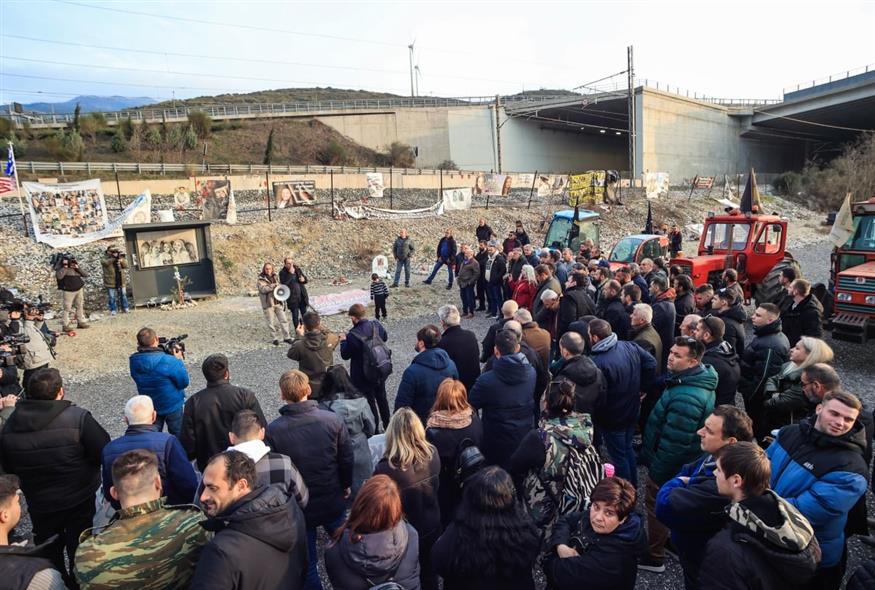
{"x":160,"y":374}
{"x":71,"y":282}
{"x":114,"y":279}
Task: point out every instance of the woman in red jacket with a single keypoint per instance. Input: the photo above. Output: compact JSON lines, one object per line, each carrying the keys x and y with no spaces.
{"x":525,"y":288}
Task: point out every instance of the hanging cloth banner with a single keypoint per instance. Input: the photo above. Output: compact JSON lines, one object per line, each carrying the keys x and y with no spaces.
{"x":361,"y":211}
{"x":457,"y":198}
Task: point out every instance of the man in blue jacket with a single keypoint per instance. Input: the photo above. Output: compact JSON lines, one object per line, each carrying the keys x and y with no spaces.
{"x":178,"y":478}
{"x":420,"y":381}
{"x":352,"y":348}
{"x":689,"y":504}
{"x":818,"y":466}
{"x":162,"y":377}
{"x":506,"y":395}
{"x":628,"y":370}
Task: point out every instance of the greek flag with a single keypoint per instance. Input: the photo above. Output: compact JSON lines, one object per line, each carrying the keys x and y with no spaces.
{"x":7,"y":184}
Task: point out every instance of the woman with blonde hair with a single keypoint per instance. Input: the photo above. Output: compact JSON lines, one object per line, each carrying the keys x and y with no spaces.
{"x":415,"y":466}
{"x":525,"y":288}
{"x":785,"y":399}
{"x":452,"y":425}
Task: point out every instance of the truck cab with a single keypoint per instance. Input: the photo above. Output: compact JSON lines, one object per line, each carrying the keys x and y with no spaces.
{"x":852,"y":278}
{"x":566,"y":232}
{"x":637,"y":247}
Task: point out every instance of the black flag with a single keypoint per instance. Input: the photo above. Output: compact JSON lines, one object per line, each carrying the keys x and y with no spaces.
{"x":751,"y":195}
{"x":648,"y":227}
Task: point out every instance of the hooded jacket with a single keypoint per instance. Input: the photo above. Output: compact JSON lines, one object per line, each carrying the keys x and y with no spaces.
{"x":353,"y":350}
{"x":734,"y":319}
{"x":670,"y":439}
{"x":722,"y":357}
{"x":628,"y":370}
{"x":762,"y":358}
{"x":615,"y":314}
{"x":606,"y":562}
{"x":462,"y":347}
{"x":822,"y":476}
{"x":314,"y":353}
{"x":506,"y":396}
{"x":767,"y":545}
{"x":360,"y":425}
{"x":575,"y":304}
{"x":54,"y":447}
{"x":374,"y":558}
{"x":420,"y":381}
{"x":260,"y":544}
{"x":590,"y":392}
{"x":162,"y":377}
{"x":806,"y":319}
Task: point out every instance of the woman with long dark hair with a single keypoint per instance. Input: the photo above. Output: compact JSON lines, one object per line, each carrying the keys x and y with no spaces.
{"x":556,"y":465}
{"x":374,"y":545}
{"x":415,"y":466}
{"x":340,"y":396}
{"x":452,"y":425}
{"x":492,"y":541}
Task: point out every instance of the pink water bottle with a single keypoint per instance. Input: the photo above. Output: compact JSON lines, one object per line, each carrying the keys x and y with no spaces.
{"x":609,"y":470}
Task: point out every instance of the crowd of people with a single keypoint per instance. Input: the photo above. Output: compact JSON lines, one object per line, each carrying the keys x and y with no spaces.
{"x":500,"y":456}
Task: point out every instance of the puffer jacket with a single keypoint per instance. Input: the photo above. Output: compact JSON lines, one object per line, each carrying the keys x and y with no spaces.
{"x":806,"y":319}
{"x":419,"y":486}
{"x":863,"y":577}
{"x":260,"y":542}
{"x":670,"y":439}
{"x":823,"y":477}
{"x":447,"y":432}
{"x":734,"y":319}
{"x":767,"y":545}
{"x":785,"y":401}
{"x":575,"y":304}
{"x":607,"y":562}
{"x":162,"y":377}
{"x":314,"y":353}
{"x":506,"y":396}
{"x":590,"y":392}
{"x":375,"y":558}
{"x":722,"y":357}
{"x":420,"y":381}
{"x":762,"y":358}
{"x":628,"y":370}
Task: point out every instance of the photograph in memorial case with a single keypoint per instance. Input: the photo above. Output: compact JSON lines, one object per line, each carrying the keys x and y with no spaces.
{"x":167,"y":247}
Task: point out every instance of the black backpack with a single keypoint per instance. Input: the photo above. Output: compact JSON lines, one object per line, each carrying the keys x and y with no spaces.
{"x":376,"y":356}
{"x":469,"y":460}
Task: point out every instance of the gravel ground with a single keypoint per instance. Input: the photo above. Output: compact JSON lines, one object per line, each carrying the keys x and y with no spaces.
{"x":257,"y":365}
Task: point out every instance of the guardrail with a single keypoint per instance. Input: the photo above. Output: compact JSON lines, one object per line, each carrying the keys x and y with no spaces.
{"x":729,"y":102}
{"x":832,"y":78}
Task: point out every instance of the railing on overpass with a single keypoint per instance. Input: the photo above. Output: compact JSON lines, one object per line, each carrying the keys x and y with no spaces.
{"x":832,"y":78}
{"x":245,"y":110}
{"x":728,"y":102}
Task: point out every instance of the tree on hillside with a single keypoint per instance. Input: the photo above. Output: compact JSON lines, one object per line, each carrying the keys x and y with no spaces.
{"x":268,"y":150}
{"x":201,"y":123}
{"x":119,"y":143}
{"x":189,"y":139}
{"x":92,"y":124}
{"x":127,"y":127}
{"x":75,"y":125}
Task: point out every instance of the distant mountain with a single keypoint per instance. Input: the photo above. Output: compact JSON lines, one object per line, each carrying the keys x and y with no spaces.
{"x":90,"y":104}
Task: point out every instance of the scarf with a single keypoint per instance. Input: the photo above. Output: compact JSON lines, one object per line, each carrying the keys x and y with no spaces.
{"x":605,"y":344}
{"x":667,"y":295}
{"x":453,"y":421}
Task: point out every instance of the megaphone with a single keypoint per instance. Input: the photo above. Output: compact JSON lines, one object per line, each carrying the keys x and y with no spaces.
{"x":282,"y":292}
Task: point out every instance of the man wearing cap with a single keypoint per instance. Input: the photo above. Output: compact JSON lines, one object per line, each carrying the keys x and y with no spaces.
{"x":114,"y":279}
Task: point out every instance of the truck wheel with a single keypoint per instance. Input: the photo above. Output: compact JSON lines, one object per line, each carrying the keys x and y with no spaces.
{"x":770,"y":290}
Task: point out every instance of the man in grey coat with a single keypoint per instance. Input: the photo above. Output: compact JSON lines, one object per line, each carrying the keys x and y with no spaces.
{"x":402,"y":251}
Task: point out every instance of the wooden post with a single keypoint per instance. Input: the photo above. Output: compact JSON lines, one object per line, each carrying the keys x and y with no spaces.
{"x":332,"y":193}
{"x":391,"y":189}
{"x":531,"y":192}
{"x":267,"y":192}
{"x":118,"y":189}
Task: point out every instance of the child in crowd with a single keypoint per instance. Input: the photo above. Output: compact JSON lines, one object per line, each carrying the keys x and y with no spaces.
{"x":379,"y":293}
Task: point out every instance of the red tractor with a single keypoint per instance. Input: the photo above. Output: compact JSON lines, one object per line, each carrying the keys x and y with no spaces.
{"x":752,"y":244}
{"x":852,"y":278}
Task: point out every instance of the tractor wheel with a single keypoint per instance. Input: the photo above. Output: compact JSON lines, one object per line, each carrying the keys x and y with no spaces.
{"x":769,"y":291}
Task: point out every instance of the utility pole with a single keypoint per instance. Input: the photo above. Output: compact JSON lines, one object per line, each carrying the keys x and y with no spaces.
{"x":412,"y":91}
{"x":632,"y":130}
{"x":498,"y":130}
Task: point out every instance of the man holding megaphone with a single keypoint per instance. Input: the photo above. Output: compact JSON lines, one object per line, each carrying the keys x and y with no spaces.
{"x":272,"y":294}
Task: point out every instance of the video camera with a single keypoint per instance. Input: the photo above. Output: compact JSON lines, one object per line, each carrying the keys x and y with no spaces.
{"x":14,"y":357}
{"x":20,"y":305}
{"x":58,"y":258}
{"x":171,"y":345}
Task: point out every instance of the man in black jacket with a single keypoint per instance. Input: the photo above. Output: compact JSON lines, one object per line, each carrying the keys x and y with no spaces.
{"x":55,"y":449}
{"x":495,"y":268}
{"x":508,"y":308}
{"x":445,"y":255}
{"x":480,"y":256}
{"x":720,"y":355}
{"x":260,"y":540}
{"x":208,"y":414}
{"x":484,"y":232}
{"x":576,"y":302}
{"x":725,"y":306}
{"x":684,"y":304}
{"x":803,"y":315}
{"x":662,"y":303}
{"x":352,"y":348}
{"x":460,"y":344}
{"x":590,"y":390}
{"x":318,"y":444}
{"x":612,"y":310}
{"x":761,"y":359}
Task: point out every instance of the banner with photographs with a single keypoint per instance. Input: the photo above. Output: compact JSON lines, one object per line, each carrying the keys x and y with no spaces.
{"x":215,"y":199}
{"x":586,"y":187}
{"x":655,"y":184}
{"x":375,"y":185}
{"x":294,"y":193}
{"x":493,"y":184}
{"x":456,"y":199}
{"x":551,"y":185}
{"x":170,"y":247}
{"x":74,"y":213}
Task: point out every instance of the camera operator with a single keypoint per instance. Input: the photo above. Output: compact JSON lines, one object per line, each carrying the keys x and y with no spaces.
{"x":115,"y":278}
{"x":162,"y":377}
{"x":71,"y":282}
{"x":39,"y":351}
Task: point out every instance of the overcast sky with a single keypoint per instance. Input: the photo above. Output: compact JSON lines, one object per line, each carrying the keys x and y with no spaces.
{"x":723,"y":49}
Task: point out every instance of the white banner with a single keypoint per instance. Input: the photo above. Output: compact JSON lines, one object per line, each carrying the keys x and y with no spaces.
{"x":339,"y":302}
{"x":362,"y":211}
{"x":456,"y":199}
{"x":375,"y":185}
{"x":655,"y":184}
{"x":74,"y":213}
